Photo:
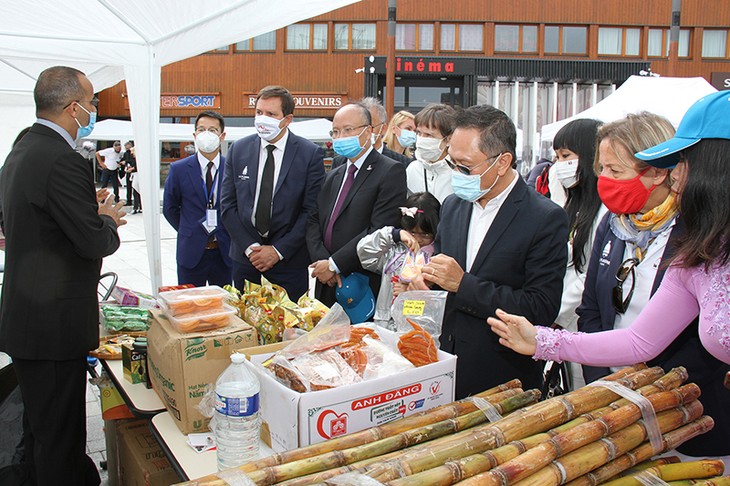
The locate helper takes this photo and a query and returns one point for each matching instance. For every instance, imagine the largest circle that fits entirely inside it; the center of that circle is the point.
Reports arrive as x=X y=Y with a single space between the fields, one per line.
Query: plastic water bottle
x=237 y=419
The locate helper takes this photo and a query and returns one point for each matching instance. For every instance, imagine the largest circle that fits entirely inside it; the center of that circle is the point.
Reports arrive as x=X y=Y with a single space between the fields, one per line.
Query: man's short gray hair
x=374 y=104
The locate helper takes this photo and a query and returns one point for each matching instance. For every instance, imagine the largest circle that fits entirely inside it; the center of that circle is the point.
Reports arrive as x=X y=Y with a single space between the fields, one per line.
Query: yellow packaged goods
x=269 y=309
x=208 y=299
x=183 y=365
x=203 y=320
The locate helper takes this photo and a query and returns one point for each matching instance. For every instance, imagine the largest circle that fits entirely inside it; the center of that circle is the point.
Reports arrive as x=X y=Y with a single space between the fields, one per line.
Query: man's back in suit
x=295 y=178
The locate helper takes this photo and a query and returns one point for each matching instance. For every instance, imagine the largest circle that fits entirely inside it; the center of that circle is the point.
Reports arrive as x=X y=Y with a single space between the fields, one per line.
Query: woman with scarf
x=642 y=231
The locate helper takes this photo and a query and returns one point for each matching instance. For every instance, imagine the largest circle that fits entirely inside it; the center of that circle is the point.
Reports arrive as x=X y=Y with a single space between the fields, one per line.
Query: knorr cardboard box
x=296 y=419
x=181 y=366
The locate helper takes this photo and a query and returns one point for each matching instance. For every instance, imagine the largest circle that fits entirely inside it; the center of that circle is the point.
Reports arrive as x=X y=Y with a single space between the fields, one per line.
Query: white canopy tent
x=316 y=130
x=111 y=40
x=669 y=97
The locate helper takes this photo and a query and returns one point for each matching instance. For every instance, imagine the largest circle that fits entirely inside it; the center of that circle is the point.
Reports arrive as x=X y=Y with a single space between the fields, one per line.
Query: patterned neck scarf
x=642 y=230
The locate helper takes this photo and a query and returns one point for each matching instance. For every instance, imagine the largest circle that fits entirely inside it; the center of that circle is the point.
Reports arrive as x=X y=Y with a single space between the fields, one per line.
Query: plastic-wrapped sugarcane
x=545 y=447
x=673 y=472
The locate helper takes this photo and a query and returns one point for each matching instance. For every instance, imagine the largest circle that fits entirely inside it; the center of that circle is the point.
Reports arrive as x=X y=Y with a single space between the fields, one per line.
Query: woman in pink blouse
x=697 y=281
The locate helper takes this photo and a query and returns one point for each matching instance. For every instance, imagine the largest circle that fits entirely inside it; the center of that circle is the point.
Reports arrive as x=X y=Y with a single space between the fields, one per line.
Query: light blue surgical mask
x=86 y=130
x=348 y=147
x=406 y=138
x=469 y=187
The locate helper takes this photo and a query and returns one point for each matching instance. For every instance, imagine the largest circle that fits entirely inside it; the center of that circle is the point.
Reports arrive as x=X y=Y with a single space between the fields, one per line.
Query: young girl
x=386 y=249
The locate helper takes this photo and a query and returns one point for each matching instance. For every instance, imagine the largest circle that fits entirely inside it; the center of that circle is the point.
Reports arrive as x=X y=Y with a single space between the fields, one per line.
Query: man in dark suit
x=56 y=234
x=379 y=117
x=501 y=245
x=270 y=188
x=357 y=198
x=191 y=205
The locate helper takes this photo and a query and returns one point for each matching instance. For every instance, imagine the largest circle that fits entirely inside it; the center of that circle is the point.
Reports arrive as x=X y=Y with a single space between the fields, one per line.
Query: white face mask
x=207 y=142
x=567 y=172
x=267 y=127
x=428 y=149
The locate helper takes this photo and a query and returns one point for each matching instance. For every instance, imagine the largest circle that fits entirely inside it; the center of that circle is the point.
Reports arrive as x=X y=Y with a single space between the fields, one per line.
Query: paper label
x=413 y=307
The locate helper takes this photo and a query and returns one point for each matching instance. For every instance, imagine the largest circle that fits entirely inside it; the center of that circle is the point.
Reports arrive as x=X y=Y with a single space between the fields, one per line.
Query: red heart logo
x=337 y=425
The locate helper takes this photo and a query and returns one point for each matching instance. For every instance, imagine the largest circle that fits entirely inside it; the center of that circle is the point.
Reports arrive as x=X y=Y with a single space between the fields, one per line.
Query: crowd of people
x=618 y=253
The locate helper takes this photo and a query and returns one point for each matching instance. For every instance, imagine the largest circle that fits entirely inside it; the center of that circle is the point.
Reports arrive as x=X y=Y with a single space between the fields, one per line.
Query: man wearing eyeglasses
x=501 y=245
x=191 y=204
x=56 y=234
x=108 y=161
x=271 y=185
x=356 y=199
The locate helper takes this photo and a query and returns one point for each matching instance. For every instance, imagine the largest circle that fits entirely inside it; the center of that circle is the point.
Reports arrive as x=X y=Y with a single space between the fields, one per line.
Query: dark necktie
x=266 y=193
x=338 y=206
x=209 y=182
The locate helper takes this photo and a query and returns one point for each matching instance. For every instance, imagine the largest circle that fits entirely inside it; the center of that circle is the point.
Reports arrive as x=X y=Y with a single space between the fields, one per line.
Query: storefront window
x=362 y=35
x=469 y=36
x=545 y=104
x=412 y=37
x=714 y=43
x=529 y=38
x=303 y=37
x=658 y=45
x=574 y=40
x=618 y=42
x=565 y=101
x=506 y=38
x=552 y=39
x=485 y=94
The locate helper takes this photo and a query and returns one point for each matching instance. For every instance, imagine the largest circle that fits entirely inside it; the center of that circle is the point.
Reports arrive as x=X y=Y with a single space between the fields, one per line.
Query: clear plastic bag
x=332 y=330
x=424 y=307
x=382 y=360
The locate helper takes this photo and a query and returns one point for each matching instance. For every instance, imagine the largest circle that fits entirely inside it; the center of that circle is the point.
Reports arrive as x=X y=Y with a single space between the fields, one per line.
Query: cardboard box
x=182 y=366
x=141 y=460
x=299 y=419
x=132 y=298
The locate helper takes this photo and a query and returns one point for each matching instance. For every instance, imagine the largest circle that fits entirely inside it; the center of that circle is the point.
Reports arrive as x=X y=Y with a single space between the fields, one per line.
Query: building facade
x=538 y=60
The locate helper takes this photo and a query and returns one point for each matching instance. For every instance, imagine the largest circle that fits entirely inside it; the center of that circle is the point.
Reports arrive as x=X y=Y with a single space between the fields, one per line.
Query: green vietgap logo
x=195 y=349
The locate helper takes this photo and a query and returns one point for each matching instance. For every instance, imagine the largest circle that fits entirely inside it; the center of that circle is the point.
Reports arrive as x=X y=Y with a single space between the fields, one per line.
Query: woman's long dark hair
x=704 y=205
x=579 y=136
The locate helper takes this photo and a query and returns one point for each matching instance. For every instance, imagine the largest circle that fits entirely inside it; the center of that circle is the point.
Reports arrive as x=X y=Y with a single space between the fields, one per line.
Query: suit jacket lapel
x=365 y=170
x=219 y=177
x=251 y=164
x=338 y=176
x=196 y=178
x=289 y=152
x=463 y=216
x=505 y=215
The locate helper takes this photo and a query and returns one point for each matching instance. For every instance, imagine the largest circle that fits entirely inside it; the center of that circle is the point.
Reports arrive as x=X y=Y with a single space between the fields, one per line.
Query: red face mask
x=624 y=196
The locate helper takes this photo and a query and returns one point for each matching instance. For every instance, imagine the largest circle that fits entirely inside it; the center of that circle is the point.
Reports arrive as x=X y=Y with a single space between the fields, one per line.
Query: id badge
x=211 y=218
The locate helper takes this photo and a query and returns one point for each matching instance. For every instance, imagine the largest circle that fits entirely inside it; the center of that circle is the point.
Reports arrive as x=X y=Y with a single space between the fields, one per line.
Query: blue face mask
x=406 y=138
x=85 y=131
x=348 y=147
x=469 y=187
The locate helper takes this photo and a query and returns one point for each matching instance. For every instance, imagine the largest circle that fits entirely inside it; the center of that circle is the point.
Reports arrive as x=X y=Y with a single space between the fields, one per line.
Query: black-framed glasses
x=213 y=130
x=628 y=267
x=345 y=132
x=94 y=102
x=467 y=170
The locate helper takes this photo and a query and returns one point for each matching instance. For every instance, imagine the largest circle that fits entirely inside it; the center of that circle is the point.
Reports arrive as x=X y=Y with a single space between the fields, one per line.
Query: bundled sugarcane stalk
x=506 y=398
x=561 y=440
x=523 y=423
x=674 y=472
x=718 y=481
x=651 y=463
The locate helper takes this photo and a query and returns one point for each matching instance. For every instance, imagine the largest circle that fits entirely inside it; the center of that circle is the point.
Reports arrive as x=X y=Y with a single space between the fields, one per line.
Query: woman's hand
x=515 y=332
x=409 y=240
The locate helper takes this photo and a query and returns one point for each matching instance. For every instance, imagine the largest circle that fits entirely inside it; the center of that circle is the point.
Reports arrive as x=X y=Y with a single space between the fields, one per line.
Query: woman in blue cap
x=697 y=281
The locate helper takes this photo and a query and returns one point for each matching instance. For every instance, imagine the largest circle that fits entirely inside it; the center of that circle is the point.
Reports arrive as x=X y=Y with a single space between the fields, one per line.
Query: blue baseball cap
x=709 y=117
x=356 y=297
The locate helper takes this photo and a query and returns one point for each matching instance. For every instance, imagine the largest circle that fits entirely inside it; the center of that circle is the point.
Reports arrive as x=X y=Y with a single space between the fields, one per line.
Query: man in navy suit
x=192 y=206
x=270 y=187
x=502 y=246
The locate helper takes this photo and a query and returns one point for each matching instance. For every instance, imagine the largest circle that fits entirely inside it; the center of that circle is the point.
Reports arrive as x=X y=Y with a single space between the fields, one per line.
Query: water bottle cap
x=238 y=358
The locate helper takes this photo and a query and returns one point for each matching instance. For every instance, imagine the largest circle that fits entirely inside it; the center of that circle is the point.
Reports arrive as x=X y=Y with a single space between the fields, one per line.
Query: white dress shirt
x=482 y=219
x=214 y=172
x=111 y=157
